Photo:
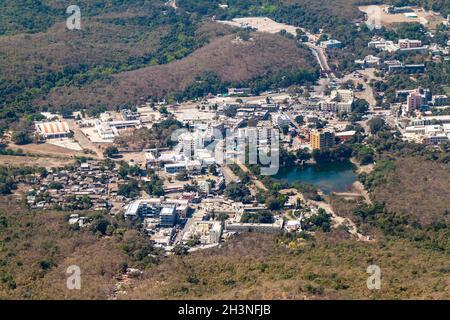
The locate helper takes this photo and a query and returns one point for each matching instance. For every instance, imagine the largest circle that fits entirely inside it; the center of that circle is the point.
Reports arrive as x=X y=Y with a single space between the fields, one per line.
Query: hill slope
x=37 y=247
x=231 y=59
x=256 y=267
x=36 y=57
x=417 y=188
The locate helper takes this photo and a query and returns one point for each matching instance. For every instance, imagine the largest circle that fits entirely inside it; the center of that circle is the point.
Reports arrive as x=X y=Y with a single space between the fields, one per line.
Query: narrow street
x=258 y=184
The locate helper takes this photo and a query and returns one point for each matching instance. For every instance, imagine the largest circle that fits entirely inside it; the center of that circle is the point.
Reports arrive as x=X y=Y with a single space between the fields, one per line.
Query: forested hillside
x=36 y=248
x=40 y=59
x=38 y=55
x=226 y=59
x=115 y=36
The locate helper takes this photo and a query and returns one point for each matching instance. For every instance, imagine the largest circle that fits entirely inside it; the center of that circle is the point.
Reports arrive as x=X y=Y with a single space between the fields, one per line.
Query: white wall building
x=280 y=120
x=52 y=130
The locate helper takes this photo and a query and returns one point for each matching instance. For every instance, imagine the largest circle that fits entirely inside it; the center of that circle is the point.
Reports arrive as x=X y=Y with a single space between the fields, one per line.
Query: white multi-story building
x=191 y=142
x=280 y=120
x=207 y=232
x=331 y=44
x=428 y=134
x=383 y=45
x=204 y=186
x=368 y=62
x=340 y=101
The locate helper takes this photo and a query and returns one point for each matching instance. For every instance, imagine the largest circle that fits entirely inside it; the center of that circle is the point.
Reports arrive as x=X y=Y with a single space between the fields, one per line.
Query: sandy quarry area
x=429 y=19
x=262 y=24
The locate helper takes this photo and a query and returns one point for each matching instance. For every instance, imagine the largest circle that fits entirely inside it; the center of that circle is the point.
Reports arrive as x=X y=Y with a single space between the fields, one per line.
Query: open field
x=376 y=13
x=47 y=149
x=137 y=157
x=19 y=161
x=66 y=144
x=276 y=97
x=191 y=112
x=262 y=24
x=367 y=93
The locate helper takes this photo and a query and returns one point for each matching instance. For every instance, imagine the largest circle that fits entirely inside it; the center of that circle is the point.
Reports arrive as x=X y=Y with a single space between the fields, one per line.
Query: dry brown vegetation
x=418 y=188
x=58 y=48
x=37 y=247
x=344 y=207
x=33 y=161
x=99 y=43
x=256 y=267
x=115 y=36
x=232 y=60
x=346 y=9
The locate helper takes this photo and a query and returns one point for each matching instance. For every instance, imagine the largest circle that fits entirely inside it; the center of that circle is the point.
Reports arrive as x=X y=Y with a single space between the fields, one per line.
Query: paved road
x=321 y=58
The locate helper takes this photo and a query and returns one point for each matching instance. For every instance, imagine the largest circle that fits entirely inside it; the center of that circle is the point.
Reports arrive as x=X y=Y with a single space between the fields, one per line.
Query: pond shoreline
x=327 y=177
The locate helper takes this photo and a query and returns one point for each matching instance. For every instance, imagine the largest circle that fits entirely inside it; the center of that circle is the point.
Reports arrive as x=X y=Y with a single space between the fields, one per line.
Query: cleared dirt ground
x=46 y=149
x=47 y=162
x=429 y=19
x=262 y=24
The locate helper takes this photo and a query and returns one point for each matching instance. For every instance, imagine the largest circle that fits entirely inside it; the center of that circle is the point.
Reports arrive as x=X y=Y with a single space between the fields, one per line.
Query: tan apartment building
x=321 y=139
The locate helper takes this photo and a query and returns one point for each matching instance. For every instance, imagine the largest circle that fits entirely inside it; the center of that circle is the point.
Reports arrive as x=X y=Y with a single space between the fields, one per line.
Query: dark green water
x=330 y=177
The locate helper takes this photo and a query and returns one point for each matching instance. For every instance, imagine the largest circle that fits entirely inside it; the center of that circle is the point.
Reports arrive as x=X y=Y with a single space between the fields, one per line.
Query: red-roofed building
x=52 y=130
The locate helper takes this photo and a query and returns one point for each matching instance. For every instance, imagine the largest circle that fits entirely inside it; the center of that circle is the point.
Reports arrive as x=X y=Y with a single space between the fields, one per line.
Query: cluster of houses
x=422 y=126
x=89 y=186
x=174 y=221
x=402 y=46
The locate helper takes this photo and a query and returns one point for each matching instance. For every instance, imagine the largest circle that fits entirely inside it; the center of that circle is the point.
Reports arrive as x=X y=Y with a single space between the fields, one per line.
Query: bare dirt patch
x=47 y=149
x=262 y=24
x=17 y=161
x=429 y=19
